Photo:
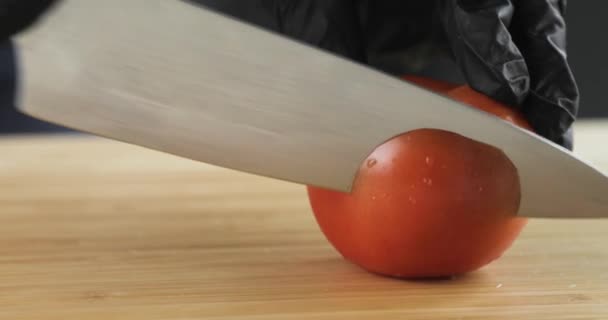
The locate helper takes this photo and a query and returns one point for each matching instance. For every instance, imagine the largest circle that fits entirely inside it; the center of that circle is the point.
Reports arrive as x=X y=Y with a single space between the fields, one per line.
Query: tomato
x=432 y=84
x=473 y=98
x=427 y=203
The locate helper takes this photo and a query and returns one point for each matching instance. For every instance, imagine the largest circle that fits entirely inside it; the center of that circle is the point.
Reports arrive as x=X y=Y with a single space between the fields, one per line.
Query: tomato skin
x=427 y=203
x=431 y=84
x=467 y=95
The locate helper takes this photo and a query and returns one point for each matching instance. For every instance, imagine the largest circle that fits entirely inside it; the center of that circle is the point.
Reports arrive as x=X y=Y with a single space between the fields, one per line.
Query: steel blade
x=179 y=79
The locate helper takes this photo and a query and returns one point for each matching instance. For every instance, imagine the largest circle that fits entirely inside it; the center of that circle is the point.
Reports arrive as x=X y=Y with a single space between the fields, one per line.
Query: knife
x=237 y=96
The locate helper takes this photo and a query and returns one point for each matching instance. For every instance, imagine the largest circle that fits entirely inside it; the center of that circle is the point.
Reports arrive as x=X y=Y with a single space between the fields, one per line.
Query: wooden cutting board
x=96 y=229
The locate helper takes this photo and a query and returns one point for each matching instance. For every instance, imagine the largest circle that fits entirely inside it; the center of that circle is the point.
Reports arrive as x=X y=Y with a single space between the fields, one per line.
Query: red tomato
x=428 y=203
x=473 y=98
x=432 y=84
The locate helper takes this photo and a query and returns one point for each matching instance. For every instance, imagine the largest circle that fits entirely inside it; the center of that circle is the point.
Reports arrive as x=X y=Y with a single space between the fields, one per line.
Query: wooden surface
x=96 y=229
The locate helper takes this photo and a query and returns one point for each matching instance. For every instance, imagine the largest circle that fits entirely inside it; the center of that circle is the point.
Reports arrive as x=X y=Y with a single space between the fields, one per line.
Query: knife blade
x=248 y=99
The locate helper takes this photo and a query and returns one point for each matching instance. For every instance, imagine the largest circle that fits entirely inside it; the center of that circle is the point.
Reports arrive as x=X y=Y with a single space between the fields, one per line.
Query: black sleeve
x=331 y=25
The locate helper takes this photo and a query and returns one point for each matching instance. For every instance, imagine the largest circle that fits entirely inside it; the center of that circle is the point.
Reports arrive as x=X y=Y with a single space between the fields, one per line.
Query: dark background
x=588 y=54
x=587 y=47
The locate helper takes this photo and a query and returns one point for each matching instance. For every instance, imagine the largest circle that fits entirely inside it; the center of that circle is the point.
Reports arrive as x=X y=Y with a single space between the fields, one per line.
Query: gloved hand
x=511 y=50
x=16 y=15
x=515 y=51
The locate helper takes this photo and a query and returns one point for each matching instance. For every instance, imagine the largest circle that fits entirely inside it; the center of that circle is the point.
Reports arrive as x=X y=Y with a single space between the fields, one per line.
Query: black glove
x=511 y=50
x=515 y=51
x=16 y=15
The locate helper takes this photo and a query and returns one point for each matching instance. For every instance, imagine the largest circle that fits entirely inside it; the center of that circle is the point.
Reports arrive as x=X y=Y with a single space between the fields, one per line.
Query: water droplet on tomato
x=412 y=199
x=371 y=163
x=427 y=181
x=480 y=189
x=373 y=197
x=429 y=161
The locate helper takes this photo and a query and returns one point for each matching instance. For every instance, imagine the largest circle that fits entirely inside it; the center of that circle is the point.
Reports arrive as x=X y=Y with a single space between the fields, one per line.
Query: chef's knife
x=188 y=81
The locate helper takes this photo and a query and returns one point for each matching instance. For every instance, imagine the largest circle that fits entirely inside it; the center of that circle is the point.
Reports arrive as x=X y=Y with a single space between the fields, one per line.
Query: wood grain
x=97 y=229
